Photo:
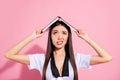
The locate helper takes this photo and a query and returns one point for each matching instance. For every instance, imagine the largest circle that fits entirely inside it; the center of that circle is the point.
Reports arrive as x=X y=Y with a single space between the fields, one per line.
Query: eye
x=64 y=32
x=55 y=32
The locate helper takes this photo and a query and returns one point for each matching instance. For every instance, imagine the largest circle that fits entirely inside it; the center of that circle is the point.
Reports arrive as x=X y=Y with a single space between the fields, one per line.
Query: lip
x=59 y=42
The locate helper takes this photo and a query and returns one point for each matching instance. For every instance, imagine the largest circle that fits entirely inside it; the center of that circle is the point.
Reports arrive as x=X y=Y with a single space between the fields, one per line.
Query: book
x=58 y=18
x=73 y=28
x=46 y=27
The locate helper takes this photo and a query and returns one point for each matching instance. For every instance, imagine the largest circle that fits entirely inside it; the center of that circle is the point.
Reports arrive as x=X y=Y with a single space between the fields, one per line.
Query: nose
x=60 y=36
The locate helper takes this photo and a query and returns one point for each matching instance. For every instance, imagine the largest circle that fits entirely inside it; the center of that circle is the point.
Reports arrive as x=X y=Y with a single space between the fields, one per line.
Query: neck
x=59 y=51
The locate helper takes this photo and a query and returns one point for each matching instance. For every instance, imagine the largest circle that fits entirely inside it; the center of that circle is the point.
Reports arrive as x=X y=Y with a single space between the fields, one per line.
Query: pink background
x=100 y=18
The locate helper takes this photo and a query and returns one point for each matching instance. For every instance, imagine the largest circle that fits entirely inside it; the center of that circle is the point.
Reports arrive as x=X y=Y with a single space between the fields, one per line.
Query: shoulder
x=37 y=56
x=82 y=60
x=36 y=61
x=80 y=55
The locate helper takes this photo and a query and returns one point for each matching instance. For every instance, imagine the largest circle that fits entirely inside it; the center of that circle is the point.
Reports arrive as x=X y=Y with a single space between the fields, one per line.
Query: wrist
x=31 y=37
x=87 y=39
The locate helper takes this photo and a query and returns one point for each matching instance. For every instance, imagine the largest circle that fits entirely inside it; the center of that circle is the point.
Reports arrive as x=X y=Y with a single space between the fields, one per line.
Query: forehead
x=59 y=28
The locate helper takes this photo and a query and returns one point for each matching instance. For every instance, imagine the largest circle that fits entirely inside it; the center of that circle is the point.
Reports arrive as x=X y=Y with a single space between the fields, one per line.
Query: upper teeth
x=59 y=42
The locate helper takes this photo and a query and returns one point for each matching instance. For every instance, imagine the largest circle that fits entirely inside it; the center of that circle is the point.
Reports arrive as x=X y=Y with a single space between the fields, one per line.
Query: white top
x=37 y=62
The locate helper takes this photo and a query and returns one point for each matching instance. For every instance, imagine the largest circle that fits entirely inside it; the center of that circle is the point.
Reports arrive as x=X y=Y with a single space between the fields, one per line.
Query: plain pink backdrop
x=100 y=18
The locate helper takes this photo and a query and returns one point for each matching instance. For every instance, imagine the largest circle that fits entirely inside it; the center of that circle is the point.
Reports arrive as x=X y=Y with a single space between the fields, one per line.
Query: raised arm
x=14 y=52
x=102 y=54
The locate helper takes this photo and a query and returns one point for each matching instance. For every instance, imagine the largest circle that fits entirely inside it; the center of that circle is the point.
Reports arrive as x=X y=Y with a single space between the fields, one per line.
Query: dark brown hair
x=68 y=49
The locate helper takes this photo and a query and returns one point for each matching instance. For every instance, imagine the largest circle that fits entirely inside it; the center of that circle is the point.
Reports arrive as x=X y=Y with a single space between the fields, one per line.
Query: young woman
x=59 y=62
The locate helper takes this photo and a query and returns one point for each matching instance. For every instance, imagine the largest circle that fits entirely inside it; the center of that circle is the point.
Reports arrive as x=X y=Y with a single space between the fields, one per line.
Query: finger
x=79 y=31
x=38 y=35
x=38 y=31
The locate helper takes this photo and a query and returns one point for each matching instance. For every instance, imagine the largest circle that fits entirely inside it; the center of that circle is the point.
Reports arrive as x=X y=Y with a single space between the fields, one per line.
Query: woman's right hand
x=37 y=33
x=14 y=52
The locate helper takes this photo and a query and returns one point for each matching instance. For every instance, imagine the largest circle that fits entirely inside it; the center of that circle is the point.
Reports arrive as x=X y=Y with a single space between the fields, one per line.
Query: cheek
x=65 y=39
x=53 y=39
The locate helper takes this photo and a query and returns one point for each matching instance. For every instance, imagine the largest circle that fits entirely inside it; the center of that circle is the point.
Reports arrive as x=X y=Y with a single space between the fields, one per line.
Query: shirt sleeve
x=82 y=60
x=36 y=61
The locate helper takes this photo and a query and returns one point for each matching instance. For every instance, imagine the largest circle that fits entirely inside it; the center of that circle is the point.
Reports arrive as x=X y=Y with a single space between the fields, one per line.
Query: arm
x=102 y=55
x=14 y=52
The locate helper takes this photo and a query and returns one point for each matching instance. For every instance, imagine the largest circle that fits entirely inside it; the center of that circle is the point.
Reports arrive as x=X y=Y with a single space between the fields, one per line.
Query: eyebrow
x=58 y=30
x=54 y=30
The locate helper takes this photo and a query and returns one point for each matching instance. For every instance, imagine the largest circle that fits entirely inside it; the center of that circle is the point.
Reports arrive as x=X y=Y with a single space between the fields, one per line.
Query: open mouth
x=59 y=42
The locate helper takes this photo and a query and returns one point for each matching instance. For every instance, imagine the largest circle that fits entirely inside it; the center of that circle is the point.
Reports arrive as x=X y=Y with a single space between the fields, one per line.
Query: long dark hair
x=68 y=49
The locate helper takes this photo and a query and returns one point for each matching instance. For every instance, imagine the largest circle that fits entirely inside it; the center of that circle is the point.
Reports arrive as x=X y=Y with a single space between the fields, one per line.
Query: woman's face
x=59 y=36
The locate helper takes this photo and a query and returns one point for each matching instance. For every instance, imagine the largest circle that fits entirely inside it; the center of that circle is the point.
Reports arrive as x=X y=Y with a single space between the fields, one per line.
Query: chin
x=59 y=47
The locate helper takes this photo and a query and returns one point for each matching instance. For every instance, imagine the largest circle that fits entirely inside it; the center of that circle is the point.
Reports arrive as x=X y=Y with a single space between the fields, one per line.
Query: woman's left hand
x=82 y=34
